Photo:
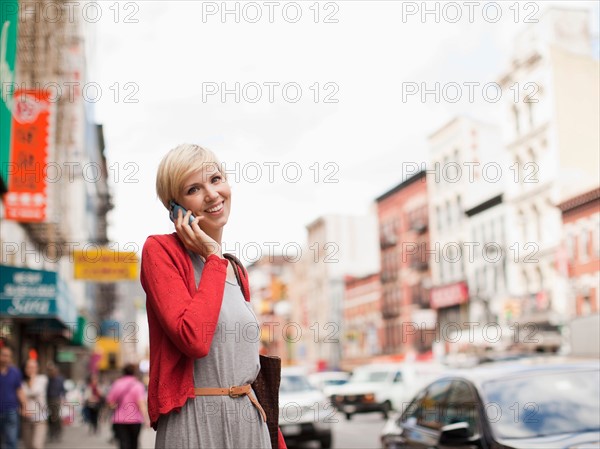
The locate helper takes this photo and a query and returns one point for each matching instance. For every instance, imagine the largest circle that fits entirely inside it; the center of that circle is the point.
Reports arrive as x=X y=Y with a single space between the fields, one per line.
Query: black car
x=545 y=404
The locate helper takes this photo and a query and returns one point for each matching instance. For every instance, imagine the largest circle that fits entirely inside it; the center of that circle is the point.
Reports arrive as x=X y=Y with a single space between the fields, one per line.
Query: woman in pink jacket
x=203 y=358
x=127 y=396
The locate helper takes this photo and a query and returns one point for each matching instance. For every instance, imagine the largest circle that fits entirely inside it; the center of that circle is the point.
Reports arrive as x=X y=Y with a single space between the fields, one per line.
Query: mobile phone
x=174 y=212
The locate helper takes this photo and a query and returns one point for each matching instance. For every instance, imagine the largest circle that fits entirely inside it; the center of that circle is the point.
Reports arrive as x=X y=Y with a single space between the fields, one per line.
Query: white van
x=328 y=381
x=383 y=387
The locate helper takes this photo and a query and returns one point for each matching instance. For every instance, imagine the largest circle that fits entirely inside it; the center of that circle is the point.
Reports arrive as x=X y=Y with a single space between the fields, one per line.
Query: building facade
x=337 y=246
x=53 y=313
x=459 y=177
x=270 y=277
x=581 y=252
x=362 y=320
x=408 y=320
x=552 y=142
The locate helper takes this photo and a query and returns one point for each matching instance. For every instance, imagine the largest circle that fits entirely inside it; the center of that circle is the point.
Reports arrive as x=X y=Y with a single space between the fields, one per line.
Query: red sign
x=449 y=295
x=26 y=198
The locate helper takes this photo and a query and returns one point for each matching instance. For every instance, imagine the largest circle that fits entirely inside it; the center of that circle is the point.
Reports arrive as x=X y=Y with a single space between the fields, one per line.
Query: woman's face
x=31 y=368
x=206 y=193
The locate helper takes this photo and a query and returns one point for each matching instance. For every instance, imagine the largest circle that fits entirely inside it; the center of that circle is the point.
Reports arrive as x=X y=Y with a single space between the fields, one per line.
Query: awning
x=37 y=294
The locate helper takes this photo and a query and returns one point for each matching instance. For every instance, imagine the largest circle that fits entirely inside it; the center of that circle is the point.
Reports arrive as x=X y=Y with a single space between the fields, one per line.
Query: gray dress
x=221 y=421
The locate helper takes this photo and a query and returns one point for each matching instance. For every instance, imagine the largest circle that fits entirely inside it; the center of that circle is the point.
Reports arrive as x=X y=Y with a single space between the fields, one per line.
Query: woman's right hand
x=194 y=238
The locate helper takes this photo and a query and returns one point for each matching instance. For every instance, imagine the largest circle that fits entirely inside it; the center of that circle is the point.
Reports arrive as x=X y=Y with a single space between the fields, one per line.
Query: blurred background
x=413 y=182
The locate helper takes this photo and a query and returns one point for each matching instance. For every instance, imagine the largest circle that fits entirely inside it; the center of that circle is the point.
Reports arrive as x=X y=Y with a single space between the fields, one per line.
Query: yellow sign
x=109 y=350
x=101 y=264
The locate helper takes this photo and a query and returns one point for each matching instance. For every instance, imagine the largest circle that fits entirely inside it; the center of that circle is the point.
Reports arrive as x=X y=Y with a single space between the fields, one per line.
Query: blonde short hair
x=177 y=165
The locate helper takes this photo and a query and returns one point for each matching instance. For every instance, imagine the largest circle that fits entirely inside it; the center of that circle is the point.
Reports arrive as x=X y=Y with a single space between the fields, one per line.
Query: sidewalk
x=76 y=436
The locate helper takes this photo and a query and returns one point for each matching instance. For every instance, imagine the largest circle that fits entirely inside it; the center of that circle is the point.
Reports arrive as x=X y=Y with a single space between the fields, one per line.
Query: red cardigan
x=181 y=318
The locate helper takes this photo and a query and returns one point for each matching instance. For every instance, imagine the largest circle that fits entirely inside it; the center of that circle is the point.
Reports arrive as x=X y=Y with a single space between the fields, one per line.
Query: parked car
x=327 y=381
x=305 y=414
x=382 y=387
x=532 y=403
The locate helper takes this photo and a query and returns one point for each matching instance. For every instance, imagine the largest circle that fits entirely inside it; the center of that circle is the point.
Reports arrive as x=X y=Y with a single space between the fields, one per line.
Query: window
x=294 y=383
x=495 y=275
x=572 y=407
x=522 y=225
x=515 y=111
x=504 y=271
x=525 y=281
x=570 y=241
x=462 y=406
x=530 y=113
x=411 y=413
x=442 y=272
x=431 y=407
x=540 y=277
x=537 y=236
x=398 y=377
x=586 y=305
x=531 y=155
x=436 y=177
x=583 y=245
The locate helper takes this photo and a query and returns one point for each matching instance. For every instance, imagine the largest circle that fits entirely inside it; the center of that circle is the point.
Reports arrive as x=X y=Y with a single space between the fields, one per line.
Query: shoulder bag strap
x=239 y=271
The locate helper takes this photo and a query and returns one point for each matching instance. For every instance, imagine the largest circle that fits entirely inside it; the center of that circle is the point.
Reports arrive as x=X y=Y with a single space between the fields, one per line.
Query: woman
x=194 y=307
x=93 y=400
x=34 y=424
x=127 y=397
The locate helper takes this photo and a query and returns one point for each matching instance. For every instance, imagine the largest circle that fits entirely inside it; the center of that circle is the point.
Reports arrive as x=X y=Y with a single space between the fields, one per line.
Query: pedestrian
x=93 y=400
x=12 y=399
x=34 y=421
x=55 y=395
x=199 y=392
x=128 y=399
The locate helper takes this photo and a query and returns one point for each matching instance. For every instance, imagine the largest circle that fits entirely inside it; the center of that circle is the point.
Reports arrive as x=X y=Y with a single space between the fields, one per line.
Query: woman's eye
x=216 y=178
x=192 y=190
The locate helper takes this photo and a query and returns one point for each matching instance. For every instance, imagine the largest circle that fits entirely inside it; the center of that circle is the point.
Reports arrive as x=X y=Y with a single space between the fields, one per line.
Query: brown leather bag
x=266 y=385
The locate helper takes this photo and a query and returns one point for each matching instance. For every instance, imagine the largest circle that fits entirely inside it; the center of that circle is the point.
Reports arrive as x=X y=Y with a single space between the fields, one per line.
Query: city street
x=77 y=436
x=361 y=432
x=324 y=205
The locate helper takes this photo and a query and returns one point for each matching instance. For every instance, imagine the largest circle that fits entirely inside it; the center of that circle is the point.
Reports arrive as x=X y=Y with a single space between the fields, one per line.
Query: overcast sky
x=365 y=131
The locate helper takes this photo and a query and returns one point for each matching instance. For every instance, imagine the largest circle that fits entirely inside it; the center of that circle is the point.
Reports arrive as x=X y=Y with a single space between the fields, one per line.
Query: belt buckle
x=232 y=394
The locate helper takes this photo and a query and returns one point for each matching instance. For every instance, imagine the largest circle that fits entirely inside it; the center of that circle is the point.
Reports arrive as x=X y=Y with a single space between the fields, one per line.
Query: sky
x=332 y=141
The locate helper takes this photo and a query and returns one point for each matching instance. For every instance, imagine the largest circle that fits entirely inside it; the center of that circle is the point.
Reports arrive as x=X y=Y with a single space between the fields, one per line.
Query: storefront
x=451 y=303
x=36 y=312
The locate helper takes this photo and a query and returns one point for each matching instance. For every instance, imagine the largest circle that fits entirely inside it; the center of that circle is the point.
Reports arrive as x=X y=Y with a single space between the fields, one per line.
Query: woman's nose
x=211 y=194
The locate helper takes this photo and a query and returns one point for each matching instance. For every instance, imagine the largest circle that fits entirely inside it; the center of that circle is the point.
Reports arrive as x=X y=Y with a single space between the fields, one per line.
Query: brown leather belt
x=234 y=392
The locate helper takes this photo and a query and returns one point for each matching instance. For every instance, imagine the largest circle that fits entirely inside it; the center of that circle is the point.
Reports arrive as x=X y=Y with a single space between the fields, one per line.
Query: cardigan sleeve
x=189 y=321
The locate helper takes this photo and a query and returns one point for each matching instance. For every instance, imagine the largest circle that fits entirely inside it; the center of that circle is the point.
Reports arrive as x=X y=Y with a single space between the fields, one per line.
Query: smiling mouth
x=216 y=208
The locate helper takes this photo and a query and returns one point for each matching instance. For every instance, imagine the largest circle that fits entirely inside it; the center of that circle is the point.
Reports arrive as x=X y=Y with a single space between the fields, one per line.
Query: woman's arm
x=141 y=402
x=22 y=401
x=188 y=321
